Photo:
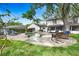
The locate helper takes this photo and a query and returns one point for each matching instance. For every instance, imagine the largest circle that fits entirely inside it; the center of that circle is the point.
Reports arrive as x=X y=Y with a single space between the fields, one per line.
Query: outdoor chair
x=59 y=36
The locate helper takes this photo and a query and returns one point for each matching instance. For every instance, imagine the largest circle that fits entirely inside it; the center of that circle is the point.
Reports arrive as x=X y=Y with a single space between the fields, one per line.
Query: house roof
x=75 y=24
x=51 y=18
x=16 y=27
x=40 y=25
x=55 y=25
x=63 y=25
x=33 y=25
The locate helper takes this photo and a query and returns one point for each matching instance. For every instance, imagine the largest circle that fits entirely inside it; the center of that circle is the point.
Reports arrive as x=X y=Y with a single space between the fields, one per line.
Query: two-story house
x=51 y=25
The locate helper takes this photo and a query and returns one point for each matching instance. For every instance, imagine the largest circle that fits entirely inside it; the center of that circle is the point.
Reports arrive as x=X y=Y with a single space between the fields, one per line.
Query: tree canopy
x=12 y=23
x=61 y=11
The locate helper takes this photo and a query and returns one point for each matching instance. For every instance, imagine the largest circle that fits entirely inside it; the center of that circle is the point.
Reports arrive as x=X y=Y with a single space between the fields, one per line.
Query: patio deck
x=45 y=40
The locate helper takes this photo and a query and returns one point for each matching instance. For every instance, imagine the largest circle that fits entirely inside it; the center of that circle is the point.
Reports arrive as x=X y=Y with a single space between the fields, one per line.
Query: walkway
x=21 y=37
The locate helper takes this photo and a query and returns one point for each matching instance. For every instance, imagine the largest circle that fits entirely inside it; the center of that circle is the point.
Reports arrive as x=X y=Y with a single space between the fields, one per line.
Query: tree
x=65 y=11
x=12 y=23
x=57 y=11
x=4 y=25
x=31 y=14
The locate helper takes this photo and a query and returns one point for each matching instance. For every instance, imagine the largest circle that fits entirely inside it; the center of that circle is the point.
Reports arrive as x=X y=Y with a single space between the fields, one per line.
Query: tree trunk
x=65 y=14
x=66 y=25
x=46 y=26
x=5 y=33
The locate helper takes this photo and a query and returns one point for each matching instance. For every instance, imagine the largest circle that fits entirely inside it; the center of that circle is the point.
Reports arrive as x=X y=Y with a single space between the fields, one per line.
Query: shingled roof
x=17 y=27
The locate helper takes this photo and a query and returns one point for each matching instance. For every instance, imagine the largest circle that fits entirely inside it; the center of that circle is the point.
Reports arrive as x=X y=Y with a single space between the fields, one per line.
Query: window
x=52 y=28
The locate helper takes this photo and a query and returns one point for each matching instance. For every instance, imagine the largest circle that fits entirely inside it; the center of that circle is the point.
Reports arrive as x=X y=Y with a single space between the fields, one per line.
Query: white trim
x=74 y=32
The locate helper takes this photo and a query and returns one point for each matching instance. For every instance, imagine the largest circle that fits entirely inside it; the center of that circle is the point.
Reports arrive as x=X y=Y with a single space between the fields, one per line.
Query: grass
x=21 y=48
x=76 y=36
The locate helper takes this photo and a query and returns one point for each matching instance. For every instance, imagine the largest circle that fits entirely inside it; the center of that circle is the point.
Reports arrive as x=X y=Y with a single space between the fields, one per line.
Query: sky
x=18 y=9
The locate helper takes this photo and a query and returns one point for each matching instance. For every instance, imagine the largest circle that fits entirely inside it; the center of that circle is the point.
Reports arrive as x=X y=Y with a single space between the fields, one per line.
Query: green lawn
x=76 y=36
x=20 y=48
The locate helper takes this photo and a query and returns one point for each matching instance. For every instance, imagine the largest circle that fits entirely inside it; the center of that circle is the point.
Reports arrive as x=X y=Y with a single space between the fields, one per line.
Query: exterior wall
x=49 y=23
x=44 y=29
x=74 y=30
x=75 y=20
x=34 y=26
x=59 y=22
x=42 y=22
x=78 y=20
